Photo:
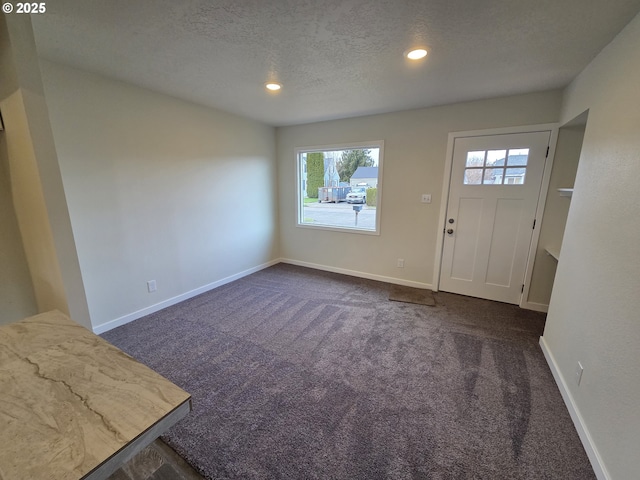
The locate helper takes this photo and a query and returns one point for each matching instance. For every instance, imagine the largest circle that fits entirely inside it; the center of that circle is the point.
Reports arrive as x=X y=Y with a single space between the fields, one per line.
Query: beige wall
x=16 y=292
x=17 y=297
x=36 y=187
x=158 y=189
x=30 y=208
x=414 y=159
x=556 y=209
x=594 y=315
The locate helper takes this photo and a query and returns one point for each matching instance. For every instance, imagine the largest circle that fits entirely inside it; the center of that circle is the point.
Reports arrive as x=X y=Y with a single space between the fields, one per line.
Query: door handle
x=450 y=231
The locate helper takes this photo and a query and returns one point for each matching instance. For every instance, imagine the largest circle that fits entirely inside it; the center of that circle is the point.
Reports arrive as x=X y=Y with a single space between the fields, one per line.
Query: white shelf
x=565 y=192
x=553 y=253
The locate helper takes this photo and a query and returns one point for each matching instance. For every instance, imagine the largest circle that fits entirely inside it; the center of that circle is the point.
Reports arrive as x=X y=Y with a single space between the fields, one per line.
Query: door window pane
x=496 y=158
x=475 y=159
x=515 y=176
x=493 y=176
x=518 y=157
x=473 y=176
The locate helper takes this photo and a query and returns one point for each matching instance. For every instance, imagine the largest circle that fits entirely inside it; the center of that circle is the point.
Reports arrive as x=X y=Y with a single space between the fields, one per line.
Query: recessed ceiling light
x=416 y=53
x=273 y=86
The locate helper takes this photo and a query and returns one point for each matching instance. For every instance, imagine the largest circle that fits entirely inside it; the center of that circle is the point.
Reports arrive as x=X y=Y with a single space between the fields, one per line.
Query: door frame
x=542 y=198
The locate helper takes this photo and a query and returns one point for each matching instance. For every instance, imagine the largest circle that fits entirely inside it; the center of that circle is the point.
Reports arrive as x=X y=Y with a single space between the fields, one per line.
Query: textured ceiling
x=335 y=58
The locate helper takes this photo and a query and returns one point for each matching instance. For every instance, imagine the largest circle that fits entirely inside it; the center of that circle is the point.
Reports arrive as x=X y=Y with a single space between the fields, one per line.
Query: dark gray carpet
x=400 y=293
x=302 y=374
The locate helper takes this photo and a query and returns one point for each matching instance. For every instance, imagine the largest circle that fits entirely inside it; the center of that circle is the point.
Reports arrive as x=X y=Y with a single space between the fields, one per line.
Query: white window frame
x=379 y=144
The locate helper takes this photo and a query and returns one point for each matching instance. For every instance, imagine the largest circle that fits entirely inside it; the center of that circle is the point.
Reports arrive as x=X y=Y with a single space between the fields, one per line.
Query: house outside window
x=365 y=175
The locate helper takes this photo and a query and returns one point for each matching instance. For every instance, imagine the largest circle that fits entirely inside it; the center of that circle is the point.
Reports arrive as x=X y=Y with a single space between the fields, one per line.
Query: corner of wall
x=47 y=236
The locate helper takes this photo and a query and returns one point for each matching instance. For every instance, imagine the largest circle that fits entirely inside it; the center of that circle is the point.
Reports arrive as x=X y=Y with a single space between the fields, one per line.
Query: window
x=339 y=187
x=496 y=167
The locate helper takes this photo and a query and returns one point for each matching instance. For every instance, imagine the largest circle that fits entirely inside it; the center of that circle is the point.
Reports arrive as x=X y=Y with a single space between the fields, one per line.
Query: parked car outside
x=357 y=195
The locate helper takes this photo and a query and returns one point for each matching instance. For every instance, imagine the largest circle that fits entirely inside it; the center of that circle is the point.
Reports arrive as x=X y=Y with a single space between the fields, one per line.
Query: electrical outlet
x=426 y=198
x=401 y=263
x=151 y=286
x=579 y=370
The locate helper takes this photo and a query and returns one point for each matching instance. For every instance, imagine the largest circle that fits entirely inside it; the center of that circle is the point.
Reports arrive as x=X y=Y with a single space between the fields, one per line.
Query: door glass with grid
x=496 y=167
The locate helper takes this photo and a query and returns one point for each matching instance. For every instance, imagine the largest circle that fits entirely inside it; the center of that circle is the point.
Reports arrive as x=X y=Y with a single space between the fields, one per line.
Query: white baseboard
x=354 y=273
x=536 y=307
x=587 y=442
x=105 y=327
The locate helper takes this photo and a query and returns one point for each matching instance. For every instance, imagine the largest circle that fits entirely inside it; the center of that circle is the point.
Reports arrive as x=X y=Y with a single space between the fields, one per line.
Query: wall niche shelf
x=565 y=192
x=552 y=252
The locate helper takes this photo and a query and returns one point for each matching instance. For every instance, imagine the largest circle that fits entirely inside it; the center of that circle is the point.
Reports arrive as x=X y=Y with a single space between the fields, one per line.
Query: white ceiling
x=335 y=58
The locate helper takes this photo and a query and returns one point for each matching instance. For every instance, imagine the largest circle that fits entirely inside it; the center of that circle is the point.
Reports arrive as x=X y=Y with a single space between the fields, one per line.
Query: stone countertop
x=70 y=402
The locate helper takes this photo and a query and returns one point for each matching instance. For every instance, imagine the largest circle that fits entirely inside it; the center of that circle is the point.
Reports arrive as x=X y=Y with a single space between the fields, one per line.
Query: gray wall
x=594 y=312
x=158 y=189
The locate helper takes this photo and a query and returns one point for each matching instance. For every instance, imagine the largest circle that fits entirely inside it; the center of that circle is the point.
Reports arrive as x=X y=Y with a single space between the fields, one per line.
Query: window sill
x=338 y=229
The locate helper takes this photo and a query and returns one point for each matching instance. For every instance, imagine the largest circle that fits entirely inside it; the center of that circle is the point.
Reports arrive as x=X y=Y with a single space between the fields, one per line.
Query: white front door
x=493 y=196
